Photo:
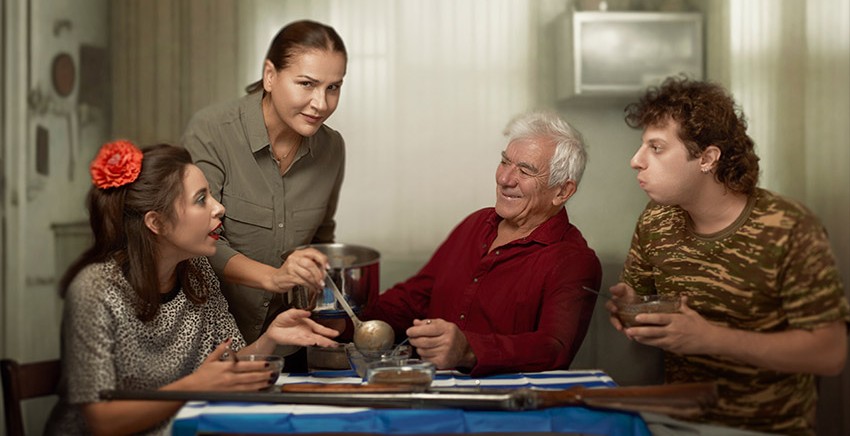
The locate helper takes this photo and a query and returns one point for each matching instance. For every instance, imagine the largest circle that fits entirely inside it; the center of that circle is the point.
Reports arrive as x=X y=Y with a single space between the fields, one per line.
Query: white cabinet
x=621 y=53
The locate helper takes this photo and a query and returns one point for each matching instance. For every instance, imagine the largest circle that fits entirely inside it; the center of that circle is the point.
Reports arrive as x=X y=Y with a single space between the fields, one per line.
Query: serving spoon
x=370 y=335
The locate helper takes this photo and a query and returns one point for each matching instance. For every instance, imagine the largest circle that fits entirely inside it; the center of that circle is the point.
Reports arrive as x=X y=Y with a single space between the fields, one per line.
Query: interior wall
x=3 y=141
x=787 y=64
x=48 y=140
x=827 y=163
x=169 y=59
x=47 y=187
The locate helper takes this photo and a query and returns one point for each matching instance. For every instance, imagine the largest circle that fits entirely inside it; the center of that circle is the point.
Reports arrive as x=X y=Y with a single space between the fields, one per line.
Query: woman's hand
x=229 y=375
x=304 y=267
x=294 y=327
x=620 y=290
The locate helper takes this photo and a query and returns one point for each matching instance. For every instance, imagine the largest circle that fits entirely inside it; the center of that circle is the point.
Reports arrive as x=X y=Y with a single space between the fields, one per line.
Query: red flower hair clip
x=117 y=164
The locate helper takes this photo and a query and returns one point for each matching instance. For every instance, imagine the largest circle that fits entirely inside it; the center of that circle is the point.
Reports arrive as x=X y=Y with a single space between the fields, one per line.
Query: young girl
x=143 y=308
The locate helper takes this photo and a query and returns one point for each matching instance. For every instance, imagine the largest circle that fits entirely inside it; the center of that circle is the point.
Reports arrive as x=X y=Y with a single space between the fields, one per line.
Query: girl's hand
x=294 y=327
x=229 y=375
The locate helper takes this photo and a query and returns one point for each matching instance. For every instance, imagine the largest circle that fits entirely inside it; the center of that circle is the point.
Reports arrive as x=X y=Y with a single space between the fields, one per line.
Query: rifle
x=679 y=400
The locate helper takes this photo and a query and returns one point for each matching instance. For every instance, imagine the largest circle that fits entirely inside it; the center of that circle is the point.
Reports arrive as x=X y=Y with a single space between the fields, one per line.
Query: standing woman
x=143 y=308
x=278 y=169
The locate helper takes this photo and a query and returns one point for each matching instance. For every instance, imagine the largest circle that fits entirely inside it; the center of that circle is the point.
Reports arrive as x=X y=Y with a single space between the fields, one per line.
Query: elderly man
x=504 y=292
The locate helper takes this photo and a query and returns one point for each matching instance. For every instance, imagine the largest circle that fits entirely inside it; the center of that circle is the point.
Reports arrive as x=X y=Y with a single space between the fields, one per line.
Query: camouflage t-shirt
x=771 y=270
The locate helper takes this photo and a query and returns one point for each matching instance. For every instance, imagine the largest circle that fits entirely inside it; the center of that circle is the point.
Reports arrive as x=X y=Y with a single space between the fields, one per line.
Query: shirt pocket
x=248 y=226
x=305 y=222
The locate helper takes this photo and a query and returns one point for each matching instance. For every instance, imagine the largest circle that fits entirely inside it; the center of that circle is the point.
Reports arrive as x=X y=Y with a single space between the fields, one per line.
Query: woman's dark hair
x=117 y=218
x=707 y=115
x=296 y=38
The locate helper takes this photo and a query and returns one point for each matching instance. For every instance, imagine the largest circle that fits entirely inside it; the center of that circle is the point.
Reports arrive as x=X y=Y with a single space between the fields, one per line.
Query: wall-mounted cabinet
x=621 y=53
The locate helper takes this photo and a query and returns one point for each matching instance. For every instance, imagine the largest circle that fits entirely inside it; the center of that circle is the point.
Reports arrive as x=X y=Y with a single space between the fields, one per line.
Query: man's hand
x=441 y=343
x=820 y=351
x=685 y=332
x=620 y=290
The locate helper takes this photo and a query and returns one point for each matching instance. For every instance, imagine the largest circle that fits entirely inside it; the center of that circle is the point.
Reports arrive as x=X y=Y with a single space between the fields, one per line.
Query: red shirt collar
x=551 y=231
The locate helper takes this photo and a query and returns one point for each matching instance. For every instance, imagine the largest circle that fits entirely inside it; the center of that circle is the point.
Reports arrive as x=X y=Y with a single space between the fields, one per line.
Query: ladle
x=371 y=335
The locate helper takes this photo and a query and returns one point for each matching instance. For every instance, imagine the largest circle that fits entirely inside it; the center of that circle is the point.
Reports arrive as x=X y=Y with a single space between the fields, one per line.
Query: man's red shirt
x=521 y=306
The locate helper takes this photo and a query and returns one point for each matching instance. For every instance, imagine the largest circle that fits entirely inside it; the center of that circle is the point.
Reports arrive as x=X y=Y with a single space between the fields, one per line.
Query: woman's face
x=197 y=221
x=306 y=92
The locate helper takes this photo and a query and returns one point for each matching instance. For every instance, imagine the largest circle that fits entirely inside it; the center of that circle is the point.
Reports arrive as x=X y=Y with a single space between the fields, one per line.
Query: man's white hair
x=570 y=157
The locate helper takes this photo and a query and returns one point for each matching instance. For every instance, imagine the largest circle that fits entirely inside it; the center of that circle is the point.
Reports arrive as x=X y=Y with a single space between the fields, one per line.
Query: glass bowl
x=629 y=307
x=275 y=364
x=361 y=359
x=418 y=374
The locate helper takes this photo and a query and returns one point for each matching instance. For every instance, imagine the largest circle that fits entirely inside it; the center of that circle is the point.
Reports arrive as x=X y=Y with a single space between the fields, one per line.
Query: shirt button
x=265 y=304
x=497 y=252
x=462 y=316
x=280 y=225
x=475 y=280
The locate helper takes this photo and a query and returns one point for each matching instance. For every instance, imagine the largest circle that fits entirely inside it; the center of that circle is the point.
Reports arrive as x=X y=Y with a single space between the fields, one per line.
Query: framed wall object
x=621 y=53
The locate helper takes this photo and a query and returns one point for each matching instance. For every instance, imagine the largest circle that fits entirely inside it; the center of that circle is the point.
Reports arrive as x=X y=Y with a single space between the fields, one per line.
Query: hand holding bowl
x=629 y=306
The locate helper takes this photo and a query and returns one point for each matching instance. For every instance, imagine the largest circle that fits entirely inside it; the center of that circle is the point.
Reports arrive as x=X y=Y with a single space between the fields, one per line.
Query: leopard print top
x=105 y=346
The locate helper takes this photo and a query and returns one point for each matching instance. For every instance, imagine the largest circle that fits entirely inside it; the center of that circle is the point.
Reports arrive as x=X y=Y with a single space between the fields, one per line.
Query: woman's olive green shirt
x=266 y=214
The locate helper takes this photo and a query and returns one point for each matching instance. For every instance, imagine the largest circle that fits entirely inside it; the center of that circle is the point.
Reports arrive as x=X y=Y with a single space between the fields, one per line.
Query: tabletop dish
x=275 y=364
x=414 y=372
x=324 y=358
x=361 y=359
x=629 y=307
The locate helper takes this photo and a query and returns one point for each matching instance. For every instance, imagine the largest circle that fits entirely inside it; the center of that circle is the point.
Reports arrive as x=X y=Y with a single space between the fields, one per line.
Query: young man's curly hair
x=707 y=115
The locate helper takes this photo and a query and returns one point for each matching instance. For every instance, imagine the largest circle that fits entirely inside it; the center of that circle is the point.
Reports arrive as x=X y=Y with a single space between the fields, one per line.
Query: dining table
x=273 y=417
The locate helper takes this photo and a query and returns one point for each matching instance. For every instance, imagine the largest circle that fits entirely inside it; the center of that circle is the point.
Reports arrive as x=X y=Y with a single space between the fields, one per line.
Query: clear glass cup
x=275 y=364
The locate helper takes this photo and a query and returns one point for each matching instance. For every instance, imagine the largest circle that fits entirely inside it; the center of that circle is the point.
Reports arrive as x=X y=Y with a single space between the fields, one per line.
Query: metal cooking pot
x=356 y=271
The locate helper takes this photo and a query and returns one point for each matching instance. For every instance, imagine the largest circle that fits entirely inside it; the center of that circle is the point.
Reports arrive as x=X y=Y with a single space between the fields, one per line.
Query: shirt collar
x=252 y=114
x=551 y=231
x=258 y=136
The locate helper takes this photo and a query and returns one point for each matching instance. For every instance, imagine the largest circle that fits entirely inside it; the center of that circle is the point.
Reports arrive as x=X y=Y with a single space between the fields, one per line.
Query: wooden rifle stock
x=681 y=400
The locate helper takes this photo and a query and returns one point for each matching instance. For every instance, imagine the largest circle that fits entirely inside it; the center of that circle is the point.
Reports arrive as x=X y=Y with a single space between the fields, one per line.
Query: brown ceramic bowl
x=629 y=307
x=327 y=358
